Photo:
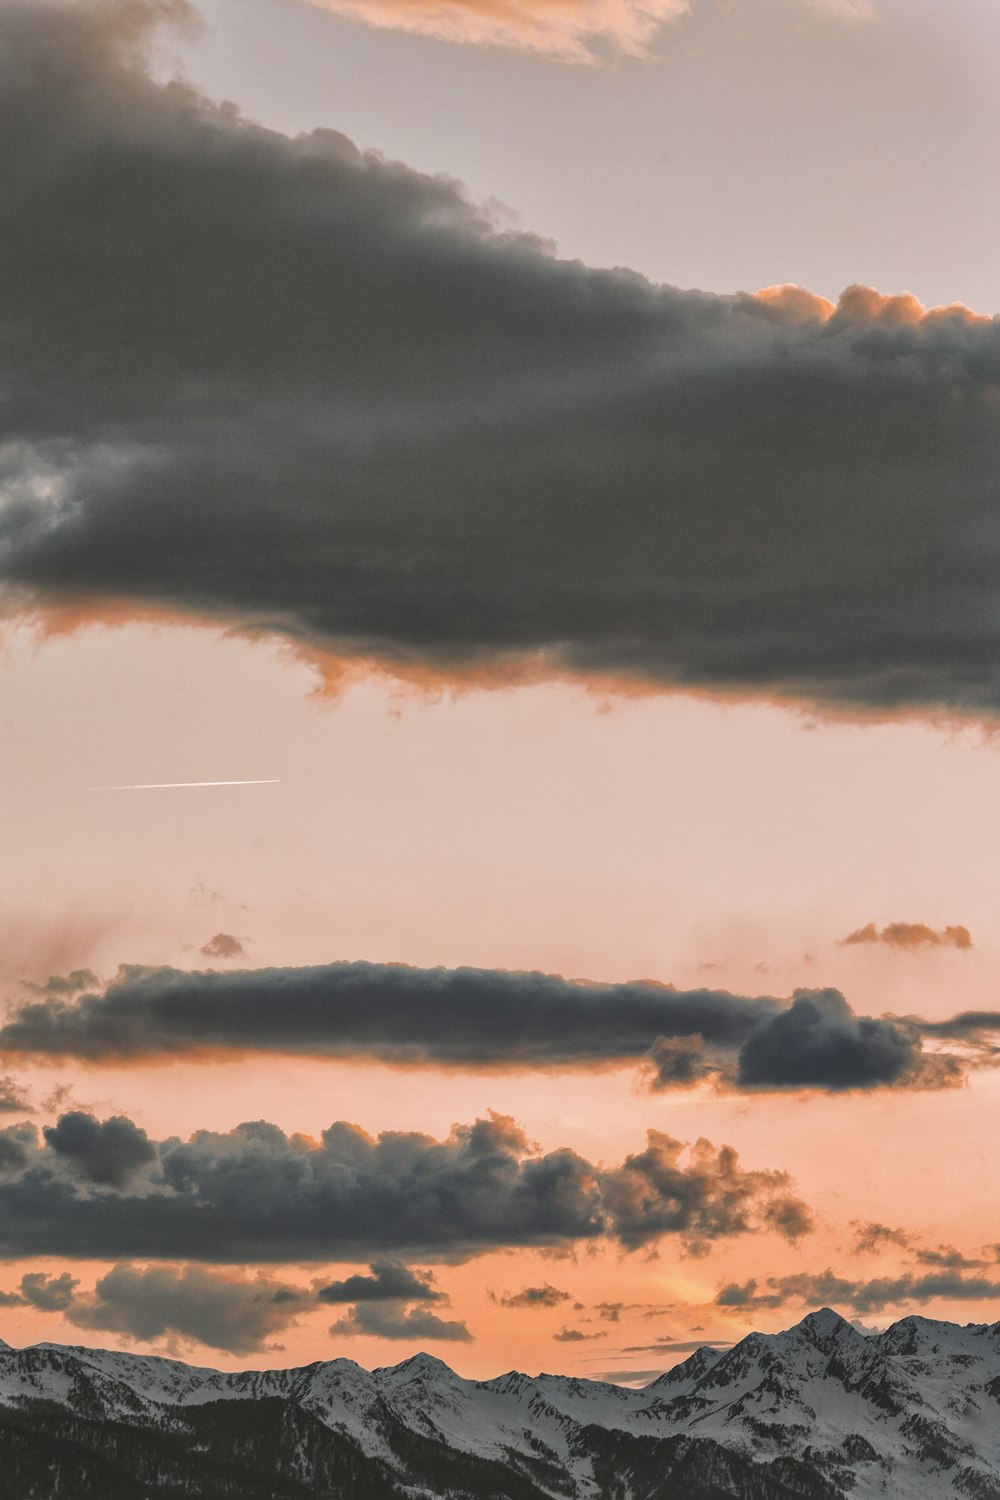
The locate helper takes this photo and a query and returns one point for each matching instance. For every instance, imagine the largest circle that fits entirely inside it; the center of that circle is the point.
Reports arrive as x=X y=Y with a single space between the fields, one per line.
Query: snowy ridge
x=817 y=1410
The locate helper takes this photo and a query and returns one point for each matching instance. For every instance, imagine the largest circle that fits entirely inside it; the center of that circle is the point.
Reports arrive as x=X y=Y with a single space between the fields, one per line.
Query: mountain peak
x=823 y=1325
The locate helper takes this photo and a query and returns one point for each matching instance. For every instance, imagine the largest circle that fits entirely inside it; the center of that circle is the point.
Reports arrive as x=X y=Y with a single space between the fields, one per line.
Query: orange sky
x=561 y=826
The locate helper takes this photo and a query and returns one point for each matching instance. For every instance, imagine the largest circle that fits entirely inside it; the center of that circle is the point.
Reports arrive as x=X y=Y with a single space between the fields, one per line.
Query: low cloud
x=532 y=1296
x=448 y=454
x=390 y=1281
x=223 y=945
x=390 y=1321
x=576 y=1336
x=222 y=1309
x=80 y=1189
x=910 y=935
x=44 y=1292
x=678 y=1346
x=867 y=1296
x=491 y=1019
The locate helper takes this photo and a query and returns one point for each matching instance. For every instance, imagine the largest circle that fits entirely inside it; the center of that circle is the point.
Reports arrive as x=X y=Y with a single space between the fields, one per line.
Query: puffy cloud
x=44 y=1292
x=292 y=389
x=390 y=1281
x=818 y=1042
x=109 y=1153
x=223 y=945
x=256 y=1194
x=483 y=1018
x=49 y=1293
x=911 y=935
x=533 y=1296
x=576 y=1336
x=390 y=1321
x=223 y=1309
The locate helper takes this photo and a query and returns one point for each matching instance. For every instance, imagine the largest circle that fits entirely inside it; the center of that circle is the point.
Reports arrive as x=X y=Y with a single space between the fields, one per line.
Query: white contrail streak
x=162 y=786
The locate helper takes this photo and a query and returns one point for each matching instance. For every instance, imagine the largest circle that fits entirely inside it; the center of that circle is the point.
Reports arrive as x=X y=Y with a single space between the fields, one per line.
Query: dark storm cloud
x=256 y=1194
x=390 y=1281
x=223 y=1309
x=829 y=1289
x=301 y=391
x=389 y=1321
x=482 y=1018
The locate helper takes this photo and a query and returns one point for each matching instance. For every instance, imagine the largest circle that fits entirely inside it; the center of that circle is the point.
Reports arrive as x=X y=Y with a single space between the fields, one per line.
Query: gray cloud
x=576 y=1336
x=390 y=1321
x=533 y=1296
x=483 y=1018
x=256 y=1194
x=223 y=1309
x=677 y=1346
x=13 y=1099
x=910 y=935
x=819 y=1042
x=223 y=945
x=292 y=389
x=48 y=1293
x=865 y=1296
x=872 y=1239
x=390 y=1281
x=109 y=1153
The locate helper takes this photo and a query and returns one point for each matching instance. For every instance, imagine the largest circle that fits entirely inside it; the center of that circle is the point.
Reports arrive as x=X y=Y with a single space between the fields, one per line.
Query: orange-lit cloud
x=910 y=935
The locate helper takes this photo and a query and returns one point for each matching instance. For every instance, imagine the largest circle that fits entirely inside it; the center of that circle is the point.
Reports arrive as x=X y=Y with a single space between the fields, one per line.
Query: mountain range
x=820 y=1411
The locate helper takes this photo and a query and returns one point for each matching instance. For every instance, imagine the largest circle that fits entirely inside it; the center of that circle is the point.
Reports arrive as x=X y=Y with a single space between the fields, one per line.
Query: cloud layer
x=256 y=1194
x=480 y=1018
x=304 y=392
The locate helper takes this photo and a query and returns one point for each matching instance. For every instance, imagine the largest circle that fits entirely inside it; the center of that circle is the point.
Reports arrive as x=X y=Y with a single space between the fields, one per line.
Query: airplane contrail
x=162 y=786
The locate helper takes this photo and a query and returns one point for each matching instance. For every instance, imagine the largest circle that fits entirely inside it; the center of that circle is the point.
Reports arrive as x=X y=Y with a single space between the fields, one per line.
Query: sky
x=545 y=455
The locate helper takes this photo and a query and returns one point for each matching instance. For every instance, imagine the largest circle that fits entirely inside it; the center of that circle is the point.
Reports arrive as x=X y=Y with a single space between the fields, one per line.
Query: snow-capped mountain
x=817 y=1412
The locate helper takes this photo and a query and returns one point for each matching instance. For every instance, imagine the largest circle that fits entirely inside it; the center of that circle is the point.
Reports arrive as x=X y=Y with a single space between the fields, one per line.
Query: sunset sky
x=547 y=451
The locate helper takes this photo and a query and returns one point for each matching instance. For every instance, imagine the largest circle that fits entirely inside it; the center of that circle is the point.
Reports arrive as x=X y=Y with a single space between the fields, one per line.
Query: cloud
x=580 y=32
x=390 y=1281
x=866 y=1296
x=282 y=387
x=678 y=1346
x=483 y=1018
x=13 y=1099
x=576 y=1336
x=49 y=1293
x=532 y=1296
x=911 y=935
x=223 y=1309
x=256 y=1194
x=44 y=1292
x=109 y=1153
x=223 y=945
x=872 y=1239
x=573 y=31
x=390 y=1321
x=819 y=1042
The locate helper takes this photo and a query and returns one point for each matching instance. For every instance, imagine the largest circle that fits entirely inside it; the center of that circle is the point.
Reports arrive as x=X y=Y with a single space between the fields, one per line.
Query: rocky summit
x=818 y=1412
